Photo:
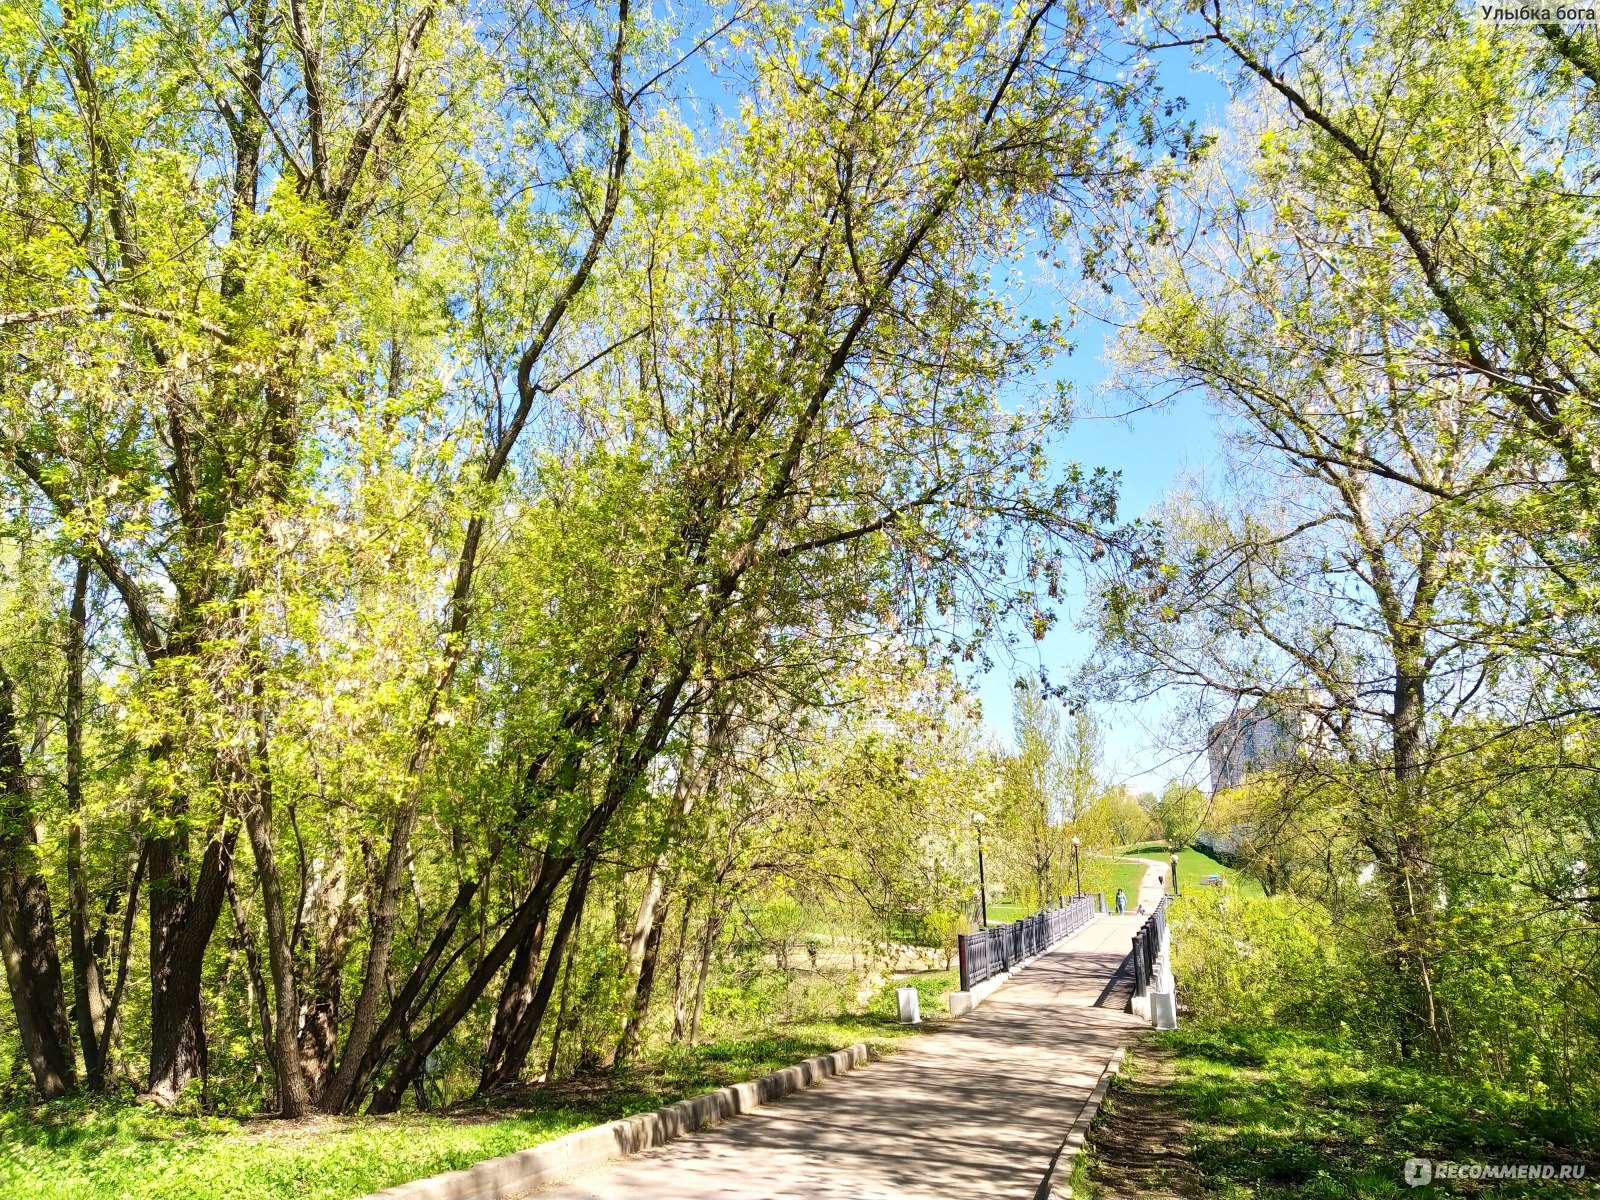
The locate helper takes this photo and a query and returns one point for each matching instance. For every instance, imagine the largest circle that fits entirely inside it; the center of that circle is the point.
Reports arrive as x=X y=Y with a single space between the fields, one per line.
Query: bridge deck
x=974 y=1110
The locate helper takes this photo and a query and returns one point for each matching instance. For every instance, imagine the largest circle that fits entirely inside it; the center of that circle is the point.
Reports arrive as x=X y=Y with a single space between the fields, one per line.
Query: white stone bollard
x=910 y=1005
x=1164 y=1010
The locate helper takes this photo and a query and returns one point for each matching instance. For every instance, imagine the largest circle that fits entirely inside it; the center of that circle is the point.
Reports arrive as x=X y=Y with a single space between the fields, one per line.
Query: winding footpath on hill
x=976 y=1109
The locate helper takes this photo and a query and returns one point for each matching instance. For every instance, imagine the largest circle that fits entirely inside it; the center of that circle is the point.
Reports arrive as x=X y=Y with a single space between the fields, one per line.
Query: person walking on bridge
x=1122 y=902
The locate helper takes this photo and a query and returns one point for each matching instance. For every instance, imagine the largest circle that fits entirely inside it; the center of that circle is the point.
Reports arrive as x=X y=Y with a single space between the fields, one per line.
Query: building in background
x=1249 y=741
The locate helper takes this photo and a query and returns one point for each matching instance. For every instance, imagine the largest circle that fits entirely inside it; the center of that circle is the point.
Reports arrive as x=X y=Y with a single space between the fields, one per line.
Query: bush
x=1277 y=960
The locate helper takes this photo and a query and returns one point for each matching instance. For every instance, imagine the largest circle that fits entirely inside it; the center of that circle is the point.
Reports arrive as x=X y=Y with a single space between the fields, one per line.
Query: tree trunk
x=387 y=1098
x=27 y=928
x=89 y=1000
x=561 y=1023
x=697 y=775
x=526 y=1031
x=680 y=1018
x=412 y=995
x=334 y=912
x=294 y=1098
x=181 y=924
x=633 y=1024
x=516 y=996
x=33 y=971
x=364 y=1022
x=646 y=926
x=130 y=912
x=1411 y=870
x=713 y=931
x=255 y=985
x=620 y=782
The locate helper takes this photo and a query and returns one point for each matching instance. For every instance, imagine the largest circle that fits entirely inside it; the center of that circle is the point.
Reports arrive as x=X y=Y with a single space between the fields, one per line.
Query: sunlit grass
x=1275 y=1114
x=1193 y=865
x=123 y=1151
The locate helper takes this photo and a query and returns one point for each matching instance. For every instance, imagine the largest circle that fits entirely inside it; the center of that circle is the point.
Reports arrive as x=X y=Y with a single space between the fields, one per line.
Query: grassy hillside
x=1194 y=863
x=1109 y=874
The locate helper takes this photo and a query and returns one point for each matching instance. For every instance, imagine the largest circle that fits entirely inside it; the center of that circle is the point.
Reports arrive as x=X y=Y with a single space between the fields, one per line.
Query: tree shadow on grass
x=1280 y=1113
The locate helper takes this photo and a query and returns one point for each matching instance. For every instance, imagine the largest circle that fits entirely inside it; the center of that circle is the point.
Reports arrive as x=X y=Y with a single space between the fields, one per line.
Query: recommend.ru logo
x=1421 y=1171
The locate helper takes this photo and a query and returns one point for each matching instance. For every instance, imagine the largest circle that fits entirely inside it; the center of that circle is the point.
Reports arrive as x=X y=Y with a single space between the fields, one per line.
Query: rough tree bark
x=332 y=911
x=27 y=928
x=89 y=997
x=644 y=988
x=526 y=1030
x=181 y=923
x=516 y=996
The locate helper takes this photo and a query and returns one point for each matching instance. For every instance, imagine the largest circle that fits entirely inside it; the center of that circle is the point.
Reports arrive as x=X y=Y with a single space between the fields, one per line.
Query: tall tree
x=27 y=923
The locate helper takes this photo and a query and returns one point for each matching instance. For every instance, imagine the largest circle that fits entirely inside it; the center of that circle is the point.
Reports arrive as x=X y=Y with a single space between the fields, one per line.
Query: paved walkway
x=976 y=1110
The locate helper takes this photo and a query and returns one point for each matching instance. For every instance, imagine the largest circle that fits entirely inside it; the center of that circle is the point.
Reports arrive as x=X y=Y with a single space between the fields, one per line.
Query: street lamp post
x=983 y=887
x=1077 y=868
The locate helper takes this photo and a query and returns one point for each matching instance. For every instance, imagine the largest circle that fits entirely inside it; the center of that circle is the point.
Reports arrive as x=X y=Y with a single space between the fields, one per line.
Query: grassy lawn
x=112 y=1151
x=1192 y=864
x=1273 y=1114
x=1108 y=874
x=1099 y=875
x=931 y=988
x=1003 y=911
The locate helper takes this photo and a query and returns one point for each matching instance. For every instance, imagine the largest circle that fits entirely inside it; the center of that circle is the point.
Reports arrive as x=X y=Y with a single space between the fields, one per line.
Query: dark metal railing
x=1147 y=943
x=1001 y=947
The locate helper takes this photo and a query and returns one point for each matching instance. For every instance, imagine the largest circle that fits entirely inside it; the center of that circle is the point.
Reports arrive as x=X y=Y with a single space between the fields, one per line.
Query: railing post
x=1140 y=979
x=966 y=969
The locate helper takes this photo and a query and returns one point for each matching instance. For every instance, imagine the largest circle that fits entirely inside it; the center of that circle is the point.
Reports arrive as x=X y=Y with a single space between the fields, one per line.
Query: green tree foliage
x=1178 y=812
x=1116 y=818
x=1047 y=792
x=469 y=504
x=1391 y=305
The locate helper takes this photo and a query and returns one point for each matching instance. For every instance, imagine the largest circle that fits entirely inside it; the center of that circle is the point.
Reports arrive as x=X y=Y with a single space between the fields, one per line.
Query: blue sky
x=1153 y=450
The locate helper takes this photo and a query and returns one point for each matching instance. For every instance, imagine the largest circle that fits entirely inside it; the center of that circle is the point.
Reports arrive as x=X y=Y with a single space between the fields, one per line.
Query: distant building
x=1256 y=739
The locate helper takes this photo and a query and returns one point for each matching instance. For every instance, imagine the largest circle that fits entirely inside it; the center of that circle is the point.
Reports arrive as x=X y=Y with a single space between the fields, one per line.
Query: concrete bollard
x=910 y=1005
x=1164 y=1010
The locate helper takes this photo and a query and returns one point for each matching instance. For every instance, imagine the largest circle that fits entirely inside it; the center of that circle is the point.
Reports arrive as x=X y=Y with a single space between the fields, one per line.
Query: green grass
x=106 y=1151
x=1099 y=874
x=1109 y=874
x=931 y=989
x=1194 y=863
x=111 y=1151
x=1003 y=911
x=1275 y=1114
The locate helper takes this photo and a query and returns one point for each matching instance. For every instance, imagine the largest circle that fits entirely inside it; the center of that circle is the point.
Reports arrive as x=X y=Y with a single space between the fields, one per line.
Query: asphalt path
x=976 y=1109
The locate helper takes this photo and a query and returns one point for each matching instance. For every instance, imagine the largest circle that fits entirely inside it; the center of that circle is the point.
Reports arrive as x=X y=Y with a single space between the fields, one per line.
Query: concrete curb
x=1061 y=1164
x=517 y=1174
